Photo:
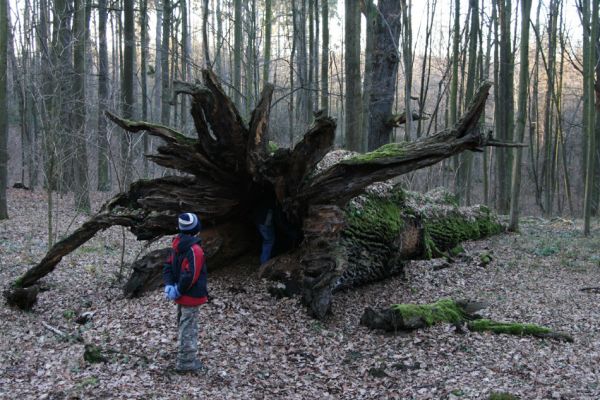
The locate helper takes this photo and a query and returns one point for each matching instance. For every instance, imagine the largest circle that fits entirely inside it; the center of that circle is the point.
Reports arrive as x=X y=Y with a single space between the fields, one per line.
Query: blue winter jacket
x=186 y=268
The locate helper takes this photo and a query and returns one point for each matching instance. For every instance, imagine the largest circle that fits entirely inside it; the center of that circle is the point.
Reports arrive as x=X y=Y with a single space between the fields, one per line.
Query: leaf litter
x=257 y=346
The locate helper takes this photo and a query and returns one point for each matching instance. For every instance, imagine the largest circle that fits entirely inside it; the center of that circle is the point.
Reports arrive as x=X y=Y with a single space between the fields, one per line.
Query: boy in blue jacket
x=184 y=275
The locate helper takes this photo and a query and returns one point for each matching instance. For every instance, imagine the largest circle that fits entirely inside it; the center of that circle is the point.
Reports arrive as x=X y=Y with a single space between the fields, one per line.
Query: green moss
x=90 y=381
x=69 y=314
x=445 y=310
x=18 y=283
x=502 y=396
x=447 y=231
x=272 y=147
x=510 y=328
x=93 y=354
x=385 y=151
x=485 y=258
x=456 y=250
x=376 y=216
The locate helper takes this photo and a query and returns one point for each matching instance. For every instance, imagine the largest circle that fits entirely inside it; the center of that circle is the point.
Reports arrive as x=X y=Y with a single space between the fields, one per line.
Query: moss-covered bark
x=388 y=225
x=407 y=317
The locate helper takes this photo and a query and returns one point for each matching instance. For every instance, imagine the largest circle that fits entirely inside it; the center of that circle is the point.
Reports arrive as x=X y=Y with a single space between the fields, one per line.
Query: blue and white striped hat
x=189 y=223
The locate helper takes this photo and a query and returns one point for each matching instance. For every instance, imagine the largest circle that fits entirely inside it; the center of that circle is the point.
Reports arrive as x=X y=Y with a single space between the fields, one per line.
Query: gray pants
x=188 y=336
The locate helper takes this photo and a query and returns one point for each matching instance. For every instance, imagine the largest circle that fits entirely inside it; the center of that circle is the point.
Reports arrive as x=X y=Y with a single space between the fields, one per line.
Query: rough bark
x=3 y=110
x=370 y=239
x=383 y=68
x=222 y=189
x=353 y=132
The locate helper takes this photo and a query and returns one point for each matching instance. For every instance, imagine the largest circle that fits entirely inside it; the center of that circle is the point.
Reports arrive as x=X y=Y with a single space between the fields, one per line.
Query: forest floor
x=256 y=346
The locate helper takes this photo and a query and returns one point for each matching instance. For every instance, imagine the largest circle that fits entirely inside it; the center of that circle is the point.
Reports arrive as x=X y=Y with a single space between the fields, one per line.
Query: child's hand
x=171 y=292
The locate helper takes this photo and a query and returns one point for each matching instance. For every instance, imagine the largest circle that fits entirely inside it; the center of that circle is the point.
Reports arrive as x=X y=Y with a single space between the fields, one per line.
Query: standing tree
x=237 y=53
x=521 y=113
x=165 y=111
x=504 y=106
x=3 y=109
x=353 y=132
x=127 y=98
x=406 y=8
x=549 y=167
x=382 y=71
x=466 y=159
x=590 y=27
x=102 y=132
x=325 y=57
x=267 y=45
x=144 y=47
x=80 y=167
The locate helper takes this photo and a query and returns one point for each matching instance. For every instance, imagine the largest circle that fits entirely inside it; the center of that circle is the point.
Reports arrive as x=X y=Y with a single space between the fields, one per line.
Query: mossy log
x=228 y=166
x=409 y=317
x=374 y=235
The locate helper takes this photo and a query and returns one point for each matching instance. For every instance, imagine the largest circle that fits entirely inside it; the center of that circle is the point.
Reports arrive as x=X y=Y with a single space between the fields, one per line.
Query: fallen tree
x=409 y=317
x=229 y=165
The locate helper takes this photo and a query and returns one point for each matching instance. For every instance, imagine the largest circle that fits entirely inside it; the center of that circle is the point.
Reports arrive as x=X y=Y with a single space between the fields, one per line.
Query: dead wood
x=229 y=165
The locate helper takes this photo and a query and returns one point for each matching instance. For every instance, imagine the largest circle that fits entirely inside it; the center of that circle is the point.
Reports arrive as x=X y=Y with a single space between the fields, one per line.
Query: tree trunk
x=325 y=57
x=385 y=20
x=505 y=123
x=237 y=53
x=222 y=190
x=127 y=97
x=80 y=166
x=407 y=57
x=144 y=47
x=165 y=113
x=102 y=132
x=353 y=131
x=466 y=159
x=521 y=114
x=3 y=109
x=591 y=21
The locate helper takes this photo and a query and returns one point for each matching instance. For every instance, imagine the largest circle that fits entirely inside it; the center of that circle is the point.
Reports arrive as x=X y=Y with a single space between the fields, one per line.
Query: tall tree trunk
x=426 y=65
x=249 y=70
x=237 y=53
x=80 y=166
x=127 y=97
x=267 y=45
x=158 y=62
x=144 y=47
x=521 y=113
x=352 y=67
x=102 y=132
x=3 y=109
x=549 y=168
x=590 y=18
x=407 y=56
x=385 y=59
x=466 y=159
x=205 y=44
x=302 y=97
x=62 y=100
x=219 y=39
x=325 y=57
x=371 y=13
x=165 y=115
x=504 y=125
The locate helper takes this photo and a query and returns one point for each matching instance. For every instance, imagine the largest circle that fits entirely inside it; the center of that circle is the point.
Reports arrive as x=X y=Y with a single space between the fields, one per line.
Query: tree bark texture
x=228 y=167
x=3 y=109
x=384 y=70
